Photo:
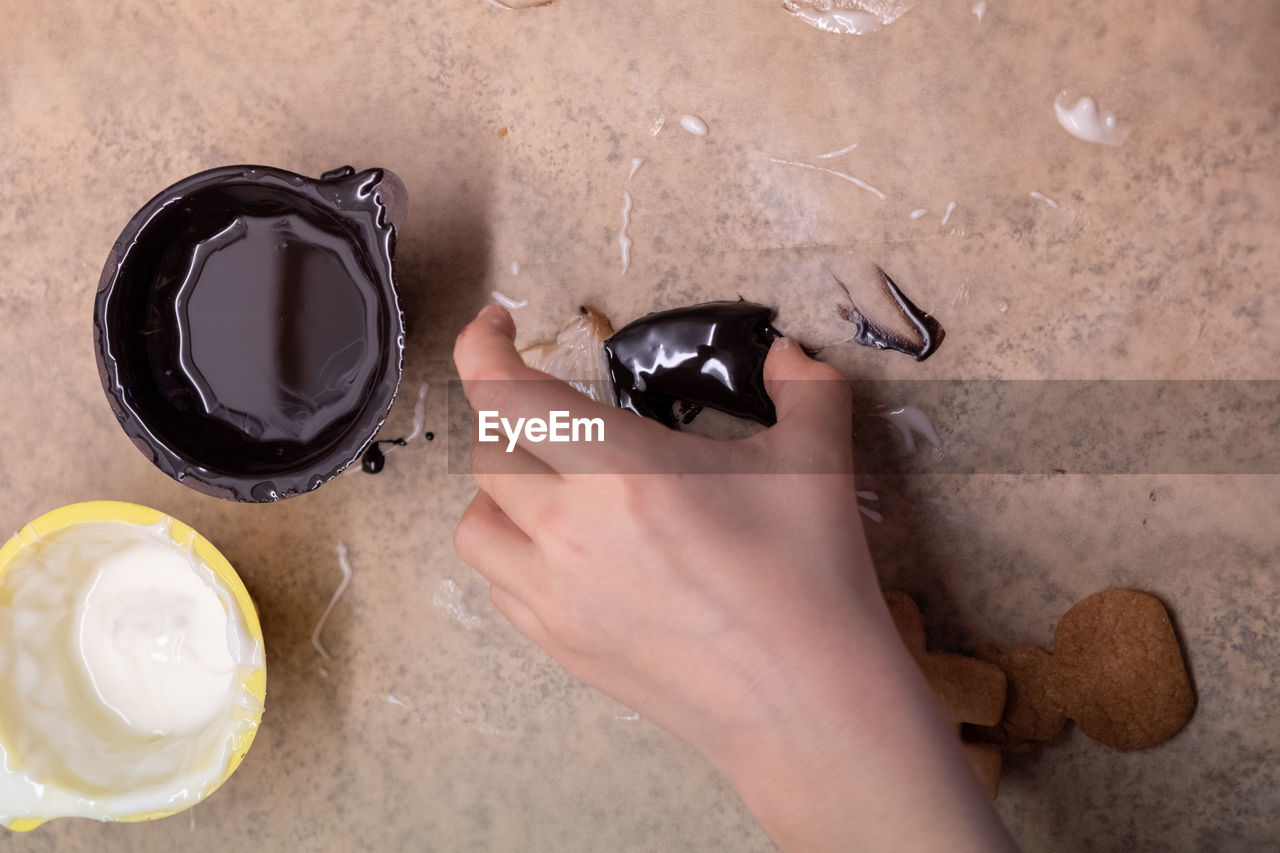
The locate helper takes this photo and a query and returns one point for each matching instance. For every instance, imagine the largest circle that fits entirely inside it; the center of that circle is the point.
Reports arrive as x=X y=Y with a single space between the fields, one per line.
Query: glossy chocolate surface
x=868 y=334
x=705 y=355
x=248 y=331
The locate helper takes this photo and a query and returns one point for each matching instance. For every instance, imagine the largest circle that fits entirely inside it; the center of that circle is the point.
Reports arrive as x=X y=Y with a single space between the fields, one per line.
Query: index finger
x=495 y=379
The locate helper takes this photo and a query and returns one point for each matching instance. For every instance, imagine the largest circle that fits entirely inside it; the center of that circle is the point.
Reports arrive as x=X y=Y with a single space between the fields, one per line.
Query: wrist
x=855 y=750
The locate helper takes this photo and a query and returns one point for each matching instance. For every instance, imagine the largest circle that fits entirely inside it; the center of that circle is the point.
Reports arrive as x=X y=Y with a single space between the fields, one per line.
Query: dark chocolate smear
x=868 y=334
x=374 y=460
x=708 y=355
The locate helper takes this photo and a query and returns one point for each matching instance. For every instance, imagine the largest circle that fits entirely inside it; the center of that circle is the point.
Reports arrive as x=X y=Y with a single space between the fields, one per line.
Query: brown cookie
x=907 y=619
x=970 y=691
x=1120 y=670
x=1033 y=708
x=1116 y=669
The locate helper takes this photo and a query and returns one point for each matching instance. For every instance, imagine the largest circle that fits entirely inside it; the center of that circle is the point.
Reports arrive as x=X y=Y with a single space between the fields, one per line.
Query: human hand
x=737 y=607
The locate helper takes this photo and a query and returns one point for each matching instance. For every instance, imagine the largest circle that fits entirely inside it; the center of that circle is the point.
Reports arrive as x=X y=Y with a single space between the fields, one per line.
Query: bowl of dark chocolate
x=247 y=326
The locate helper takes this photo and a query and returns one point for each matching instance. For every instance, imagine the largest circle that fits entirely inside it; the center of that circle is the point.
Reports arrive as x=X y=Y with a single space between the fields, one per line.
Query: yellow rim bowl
x=183 y=535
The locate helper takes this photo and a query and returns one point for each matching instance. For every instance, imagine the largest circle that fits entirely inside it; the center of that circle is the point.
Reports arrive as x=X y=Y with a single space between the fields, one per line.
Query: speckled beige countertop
x=1160 y=260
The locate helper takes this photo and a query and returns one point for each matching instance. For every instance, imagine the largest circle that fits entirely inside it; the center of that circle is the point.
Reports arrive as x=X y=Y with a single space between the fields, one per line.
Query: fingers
x=812 y=398
x=519 y=615
x=496 y=380
x=490 y=542
x=522 y=485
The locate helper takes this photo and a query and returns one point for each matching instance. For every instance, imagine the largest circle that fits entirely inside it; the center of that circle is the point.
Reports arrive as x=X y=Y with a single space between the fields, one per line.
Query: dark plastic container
x=247 y=327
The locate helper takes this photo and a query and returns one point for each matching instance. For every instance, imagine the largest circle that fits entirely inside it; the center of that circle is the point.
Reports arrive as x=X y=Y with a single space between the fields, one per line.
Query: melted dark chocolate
x=374 y=460
x=708 y=355
x=248 y=331
x=868 y=334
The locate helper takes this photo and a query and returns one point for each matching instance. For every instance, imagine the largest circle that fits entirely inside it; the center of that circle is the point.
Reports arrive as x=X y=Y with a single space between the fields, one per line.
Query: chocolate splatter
x=374 y=460
x=868 y=334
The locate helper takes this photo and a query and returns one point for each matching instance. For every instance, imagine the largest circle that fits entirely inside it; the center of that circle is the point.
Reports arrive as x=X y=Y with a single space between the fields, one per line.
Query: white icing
x=345 y=568
x=841 y=22
x=515 y=268
x=870 y=513
x=694 y=125
x=867 y=496
x=507 y=302
x=419 y=413
x=448 y=599
x=656 y=126
x=980 y=9
x=153 y=635
x=123 y=668
x=842 y=175
x=848 y=17
x=909 y=420
x=946 y=216
x=636 y=163
x=1044 y=198
x=1084 y=120
x=831 y=155
x=919 y=212
x=624 y=242
x=392 y=699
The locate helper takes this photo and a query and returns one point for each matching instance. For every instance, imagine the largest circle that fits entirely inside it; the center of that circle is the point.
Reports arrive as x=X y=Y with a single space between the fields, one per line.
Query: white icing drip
x=448 y=600
x=392 y=699
x=842 y=175
x=515 y=268
x=870 y=513
x=419 y=412
x=980 y=9
x=342 y=587
x=636 y=163
x=919 y=212
x=1044 y=198
x=909 y=420
x=507 y=302
x=420 y=405
x=1086 y=121
x=694 y=125
x=831 y=155
x=841 y=22
x=624 y=242
x=867 y=496
x=951 y=206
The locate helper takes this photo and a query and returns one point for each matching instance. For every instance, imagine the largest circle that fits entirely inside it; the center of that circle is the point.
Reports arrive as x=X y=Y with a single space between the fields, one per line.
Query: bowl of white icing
x=132 y=667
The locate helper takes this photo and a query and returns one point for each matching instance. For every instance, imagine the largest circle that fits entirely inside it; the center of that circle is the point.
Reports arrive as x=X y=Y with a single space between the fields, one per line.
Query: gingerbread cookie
x=1116 y=669
x=970 y=691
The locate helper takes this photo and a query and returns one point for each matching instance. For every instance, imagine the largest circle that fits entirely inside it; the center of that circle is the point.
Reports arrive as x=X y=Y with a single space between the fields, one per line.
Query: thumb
x=810 y=396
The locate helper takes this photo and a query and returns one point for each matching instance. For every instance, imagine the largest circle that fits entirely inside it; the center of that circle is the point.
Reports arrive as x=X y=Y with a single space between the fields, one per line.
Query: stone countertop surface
x=435 y=726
